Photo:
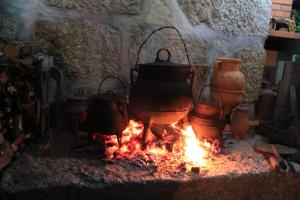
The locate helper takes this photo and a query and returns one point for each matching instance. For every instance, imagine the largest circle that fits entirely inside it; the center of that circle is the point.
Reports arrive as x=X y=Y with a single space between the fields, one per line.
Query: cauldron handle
x=122 y=83
x=146 y=40
x=220 y=99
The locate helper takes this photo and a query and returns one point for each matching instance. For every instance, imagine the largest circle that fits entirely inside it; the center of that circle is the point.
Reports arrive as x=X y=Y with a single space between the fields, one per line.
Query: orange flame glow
x=187 y=149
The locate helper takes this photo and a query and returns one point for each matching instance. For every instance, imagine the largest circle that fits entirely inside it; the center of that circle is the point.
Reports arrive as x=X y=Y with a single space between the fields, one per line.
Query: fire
x=193 y=150
x=186 y=149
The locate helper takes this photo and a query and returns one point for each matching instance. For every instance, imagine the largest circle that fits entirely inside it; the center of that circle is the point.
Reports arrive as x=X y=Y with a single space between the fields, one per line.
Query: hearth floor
x=34 y=171
x=61 y=173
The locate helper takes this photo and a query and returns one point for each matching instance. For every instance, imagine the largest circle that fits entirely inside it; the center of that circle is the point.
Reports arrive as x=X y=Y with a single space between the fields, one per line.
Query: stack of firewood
x=18 y=99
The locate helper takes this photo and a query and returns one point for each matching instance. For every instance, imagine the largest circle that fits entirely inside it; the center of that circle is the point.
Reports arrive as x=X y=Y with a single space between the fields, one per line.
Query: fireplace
x=107 y=99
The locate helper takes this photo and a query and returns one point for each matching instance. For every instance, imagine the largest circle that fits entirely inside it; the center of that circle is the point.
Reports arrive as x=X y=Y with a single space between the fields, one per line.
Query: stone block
x=253 y=60
x=8 y=25
x=230 y=16
x=103 y=7
x=90 y=51
x=159 y=13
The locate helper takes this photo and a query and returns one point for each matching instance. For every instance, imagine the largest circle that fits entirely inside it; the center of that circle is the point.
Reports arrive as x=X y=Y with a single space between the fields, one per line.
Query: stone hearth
x=62 y=172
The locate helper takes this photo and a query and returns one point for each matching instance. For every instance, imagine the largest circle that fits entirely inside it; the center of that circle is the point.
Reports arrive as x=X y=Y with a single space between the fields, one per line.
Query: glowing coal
x=186 y=150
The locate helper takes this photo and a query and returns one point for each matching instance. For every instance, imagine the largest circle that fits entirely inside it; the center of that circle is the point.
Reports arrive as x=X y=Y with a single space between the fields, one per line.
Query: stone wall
x=98 y=38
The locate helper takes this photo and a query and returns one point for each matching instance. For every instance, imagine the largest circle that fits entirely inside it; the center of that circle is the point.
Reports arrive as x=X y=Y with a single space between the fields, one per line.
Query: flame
x=187 y=149
x=194 y=152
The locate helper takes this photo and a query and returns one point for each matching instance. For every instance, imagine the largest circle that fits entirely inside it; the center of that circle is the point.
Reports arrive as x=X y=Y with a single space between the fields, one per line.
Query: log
x=288 y=138
x=282 y=100
x=6 y=154
x=267 y=148
x=295 y=167
x=16 y=49
x=274 y=163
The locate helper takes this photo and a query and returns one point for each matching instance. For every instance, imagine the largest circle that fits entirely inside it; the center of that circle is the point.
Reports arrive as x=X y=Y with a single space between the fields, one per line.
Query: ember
x=187 y=149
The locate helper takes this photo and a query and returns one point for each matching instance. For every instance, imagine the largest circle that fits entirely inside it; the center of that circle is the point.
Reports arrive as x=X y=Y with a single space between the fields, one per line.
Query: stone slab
x=103 y=7
x=36 y=174
x=253 y=60
x=230 y=16
x=91 y=51
x=8 y=23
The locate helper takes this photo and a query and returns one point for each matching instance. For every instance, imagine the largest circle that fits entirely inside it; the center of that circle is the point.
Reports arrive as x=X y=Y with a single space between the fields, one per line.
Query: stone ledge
x=103 y=7
x=270 y=186
x=84 y=176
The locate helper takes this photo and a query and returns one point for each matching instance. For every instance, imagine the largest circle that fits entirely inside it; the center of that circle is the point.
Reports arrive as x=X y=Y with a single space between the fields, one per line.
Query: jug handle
x=217 y=69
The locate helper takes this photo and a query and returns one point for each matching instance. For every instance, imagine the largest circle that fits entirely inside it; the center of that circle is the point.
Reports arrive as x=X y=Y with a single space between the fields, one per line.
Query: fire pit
x=154 y=171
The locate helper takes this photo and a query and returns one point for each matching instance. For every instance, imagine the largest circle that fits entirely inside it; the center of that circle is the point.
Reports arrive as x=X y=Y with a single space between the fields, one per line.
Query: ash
x=32 y=171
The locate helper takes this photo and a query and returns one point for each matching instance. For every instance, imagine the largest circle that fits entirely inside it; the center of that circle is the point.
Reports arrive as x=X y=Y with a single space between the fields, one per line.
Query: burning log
x=187 y=149
x=274 y=163
x=195 y=170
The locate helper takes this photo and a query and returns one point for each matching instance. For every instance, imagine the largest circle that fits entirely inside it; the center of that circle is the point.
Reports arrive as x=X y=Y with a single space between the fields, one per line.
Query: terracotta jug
x=240 y=123
x=227 y=74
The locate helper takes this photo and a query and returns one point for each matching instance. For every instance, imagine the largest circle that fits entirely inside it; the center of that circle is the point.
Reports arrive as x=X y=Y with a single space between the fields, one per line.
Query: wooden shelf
x=284 y=34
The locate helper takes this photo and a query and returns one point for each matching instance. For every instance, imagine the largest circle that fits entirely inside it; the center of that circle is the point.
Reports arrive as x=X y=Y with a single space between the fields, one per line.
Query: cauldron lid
x=78 y=98
x=109 y=96
x=163 y=63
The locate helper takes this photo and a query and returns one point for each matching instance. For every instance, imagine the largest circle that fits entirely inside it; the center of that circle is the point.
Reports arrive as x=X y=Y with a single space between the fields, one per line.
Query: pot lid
x=110 y=95
x=78 y=98
x=159 y=62
x=208 y=102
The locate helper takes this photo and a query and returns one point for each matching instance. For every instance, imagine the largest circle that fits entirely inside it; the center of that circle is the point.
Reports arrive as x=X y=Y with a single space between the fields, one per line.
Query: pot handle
x=150 y=35
x=114 y=77
x=220 y=99
x=160 y=60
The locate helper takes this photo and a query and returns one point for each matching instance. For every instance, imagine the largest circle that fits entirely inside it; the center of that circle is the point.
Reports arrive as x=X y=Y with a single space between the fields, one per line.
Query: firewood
x=6 y=154
x=274 y=163
x=15 y=49
x=12 y=49
x=195 y=170
x=266 y=148
x=295 y=167
x=1 y=138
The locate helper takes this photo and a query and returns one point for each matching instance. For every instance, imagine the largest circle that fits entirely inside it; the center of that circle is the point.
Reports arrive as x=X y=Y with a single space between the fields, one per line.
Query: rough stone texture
x=7 y=26
x=102 y=7
x=230 y=16
x=196 y=50
x=98 y=38
x=160 y=13
x=91 y=51
x=253 y=60
x=201 y=75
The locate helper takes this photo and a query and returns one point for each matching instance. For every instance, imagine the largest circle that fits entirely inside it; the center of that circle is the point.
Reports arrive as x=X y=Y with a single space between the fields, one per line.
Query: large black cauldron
x=161 y=93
